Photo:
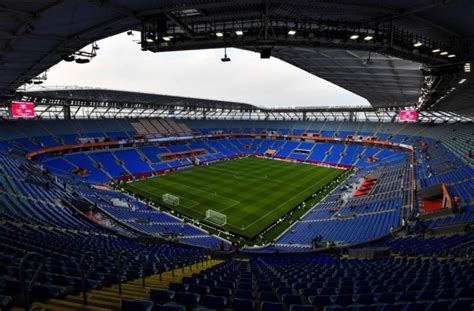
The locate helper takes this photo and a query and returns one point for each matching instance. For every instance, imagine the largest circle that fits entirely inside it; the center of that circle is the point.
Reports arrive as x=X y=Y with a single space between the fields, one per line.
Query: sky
x=122 y=65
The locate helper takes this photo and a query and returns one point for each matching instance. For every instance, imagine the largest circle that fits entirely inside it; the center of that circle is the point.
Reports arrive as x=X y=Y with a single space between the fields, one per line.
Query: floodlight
x=354 y=37
x=368 y=38
x=239 y=32
x=291 y=32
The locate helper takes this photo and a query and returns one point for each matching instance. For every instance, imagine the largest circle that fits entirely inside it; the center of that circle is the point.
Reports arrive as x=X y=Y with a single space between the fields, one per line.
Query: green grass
x=254 y=193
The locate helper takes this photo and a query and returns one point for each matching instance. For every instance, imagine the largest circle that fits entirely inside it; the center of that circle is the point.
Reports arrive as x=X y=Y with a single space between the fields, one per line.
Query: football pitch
x=252 y=192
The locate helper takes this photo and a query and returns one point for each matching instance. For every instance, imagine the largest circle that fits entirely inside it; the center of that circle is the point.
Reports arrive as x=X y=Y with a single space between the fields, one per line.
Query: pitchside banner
x=22 y=110
x=408 y=115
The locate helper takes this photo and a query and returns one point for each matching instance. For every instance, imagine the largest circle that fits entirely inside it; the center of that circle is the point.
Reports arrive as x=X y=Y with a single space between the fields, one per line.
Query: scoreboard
x=22 y=110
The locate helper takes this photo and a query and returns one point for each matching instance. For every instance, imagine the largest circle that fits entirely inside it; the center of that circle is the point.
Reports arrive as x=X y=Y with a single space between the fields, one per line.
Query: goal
x=170 y=199
x=216 y=218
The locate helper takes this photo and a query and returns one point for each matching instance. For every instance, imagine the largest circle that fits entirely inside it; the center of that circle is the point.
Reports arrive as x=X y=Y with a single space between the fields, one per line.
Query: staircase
x=109 y=299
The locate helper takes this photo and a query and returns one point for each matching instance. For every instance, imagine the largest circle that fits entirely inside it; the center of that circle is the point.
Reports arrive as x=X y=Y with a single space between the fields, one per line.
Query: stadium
x=126 y=200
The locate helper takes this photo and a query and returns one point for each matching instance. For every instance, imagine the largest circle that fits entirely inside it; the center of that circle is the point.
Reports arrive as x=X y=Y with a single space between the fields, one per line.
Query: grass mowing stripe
x=253 y=193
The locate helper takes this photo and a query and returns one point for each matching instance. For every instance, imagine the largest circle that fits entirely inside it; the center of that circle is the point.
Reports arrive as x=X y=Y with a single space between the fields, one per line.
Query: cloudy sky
x=120 y=64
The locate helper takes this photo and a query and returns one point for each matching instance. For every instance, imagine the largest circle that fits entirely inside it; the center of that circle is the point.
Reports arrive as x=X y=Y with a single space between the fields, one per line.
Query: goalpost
x=216 y=218
x=170 y=199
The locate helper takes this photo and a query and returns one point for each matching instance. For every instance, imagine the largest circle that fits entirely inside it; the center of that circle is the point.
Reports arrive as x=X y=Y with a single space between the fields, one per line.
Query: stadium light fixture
x=451 y=55
x=239 y=32
x=462 y=81
x=368 y=38
x=167 y=38
x=444 y=53
x=354 y=37
x=417 y=44
x=467 y=67
x=436 y=51
x=291 y=32
x=219 y=34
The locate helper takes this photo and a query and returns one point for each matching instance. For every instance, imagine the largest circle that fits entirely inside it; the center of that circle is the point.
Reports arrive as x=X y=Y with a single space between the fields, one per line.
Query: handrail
x=144 y=260
x=120 y=263
x=84 y=274
x=27 y=287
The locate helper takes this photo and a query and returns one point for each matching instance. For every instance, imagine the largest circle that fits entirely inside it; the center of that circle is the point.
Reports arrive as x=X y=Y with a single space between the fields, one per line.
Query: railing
x=120 y=263
x=85 y=274
x=144 y=260
x=26 y=288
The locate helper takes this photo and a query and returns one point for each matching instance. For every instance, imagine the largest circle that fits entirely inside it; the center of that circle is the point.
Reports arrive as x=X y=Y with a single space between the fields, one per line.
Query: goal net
x=170 y=199
x=216 y=218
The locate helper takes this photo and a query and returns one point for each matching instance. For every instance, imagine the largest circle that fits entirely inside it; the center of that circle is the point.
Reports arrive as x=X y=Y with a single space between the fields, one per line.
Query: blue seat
x=390 y=307
x=216 y=301
x=342 y=300
x=364 y=299
x=385 y=297
x=170 y=307
x=301 y=308
x=226 y=284
x=462 y=305
x=440 y=305
x=309 y=291
x=271 y=306
x=465 y=292
x=199 y=289
x=416 y=306
x=290 y=299
x=363 y=290
x=161 y=295
x=266 y=296
x=178 y=287
x=244 y=294
x=407 y=296
x=243 y=304
x=446 y=293
x=429 y=294
x=190 y=280
x=283 y=290
x=320 y=300
x=245 y=286
x=137 y=305
x=222 y=291
x=187 y=298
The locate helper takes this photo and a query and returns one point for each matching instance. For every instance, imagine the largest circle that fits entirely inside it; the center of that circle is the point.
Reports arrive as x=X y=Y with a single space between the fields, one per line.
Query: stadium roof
x=35 y=35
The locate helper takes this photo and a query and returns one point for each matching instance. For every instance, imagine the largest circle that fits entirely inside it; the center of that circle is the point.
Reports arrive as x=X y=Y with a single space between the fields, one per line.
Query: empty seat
x=301 y=308
x=187 y=298
x=137 y=305
x=266 y=296
x=244 y=294
x=178 y=287
x=320 y=300
x=364 y=299
x=243 y=304
x=385 y=297
x=170 y=307
x=271 y=306
x=216 y=301
x=407 y=296
x=160 y=295
x=291 y=299
x=222 y=291
x=199 y=289
x=342 y=300
x=462 y=305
